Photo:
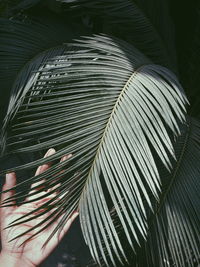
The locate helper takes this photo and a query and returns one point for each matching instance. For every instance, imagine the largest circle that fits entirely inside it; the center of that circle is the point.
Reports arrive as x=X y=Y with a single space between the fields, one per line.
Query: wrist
x=7 y=259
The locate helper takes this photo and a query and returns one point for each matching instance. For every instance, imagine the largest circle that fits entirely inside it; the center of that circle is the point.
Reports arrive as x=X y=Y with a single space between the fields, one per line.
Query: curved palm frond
x=173 y=237
x=24 y=4
x=104 y=102
x=27 y=5
x=23 y=38
x=159 y=14
x=125 y=20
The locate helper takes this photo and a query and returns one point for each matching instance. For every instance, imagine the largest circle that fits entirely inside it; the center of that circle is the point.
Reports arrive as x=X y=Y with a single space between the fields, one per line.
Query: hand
x=32 y=253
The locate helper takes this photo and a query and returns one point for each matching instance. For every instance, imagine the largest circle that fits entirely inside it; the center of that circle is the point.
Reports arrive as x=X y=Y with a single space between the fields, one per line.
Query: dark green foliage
x=193 y=76
x=111 y=99
x=22 y=38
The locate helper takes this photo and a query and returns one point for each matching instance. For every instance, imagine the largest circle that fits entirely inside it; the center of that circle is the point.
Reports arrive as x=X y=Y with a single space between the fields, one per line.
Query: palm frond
x=30 y=5
x=173 y=238
x=158 y=12
x=125 y=20
x=24 y=4
x=173 y=234
x=103 y=101
x=23 y=38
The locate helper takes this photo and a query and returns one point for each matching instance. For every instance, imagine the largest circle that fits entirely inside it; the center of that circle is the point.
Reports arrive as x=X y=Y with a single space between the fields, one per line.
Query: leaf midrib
x=178 y=164
x=107 y=126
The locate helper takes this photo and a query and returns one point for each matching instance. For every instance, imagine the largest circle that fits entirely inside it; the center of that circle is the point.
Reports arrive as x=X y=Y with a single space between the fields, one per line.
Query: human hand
x=32 y=252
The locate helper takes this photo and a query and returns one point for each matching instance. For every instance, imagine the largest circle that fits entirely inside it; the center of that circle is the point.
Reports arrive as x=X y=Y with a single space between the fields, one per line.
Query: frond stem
x=108 y=123
x=176 y=169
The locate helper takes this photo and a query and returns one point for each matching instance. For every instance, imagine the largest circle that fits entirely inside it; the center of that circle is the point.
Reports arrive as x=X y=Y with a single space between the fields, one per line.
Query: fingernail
x=8 y=177
x=50 y=152
x=66 y=157
x=38 y=170
x=75 y=214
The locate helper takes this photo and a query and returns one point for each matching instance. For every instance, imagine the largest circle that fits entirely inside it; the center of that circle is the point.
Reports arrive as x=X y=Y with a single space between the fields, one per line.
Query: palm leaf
x=158 y=12
x=173 y=238
x=24 y=4
x=124 y=19
x=107 y=104
x=23 y=38
x=179 y=208
x=173 y=235
x=27 y=5
x=10 y=8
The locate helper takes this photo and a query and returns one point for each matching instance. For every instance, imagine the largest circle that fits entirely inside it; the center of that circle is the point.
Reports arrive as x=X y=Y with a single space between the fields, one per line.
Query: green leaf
x=21 y=39
x=173 y=237
x=173 y=234
x=158 y=12
x=105 y=103
x=125 y=20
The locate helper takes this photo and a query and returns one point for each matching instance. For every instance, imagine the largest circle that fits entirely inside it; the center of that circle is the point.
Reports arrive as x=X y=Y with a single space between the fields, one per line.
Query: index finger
x=38 y=185
x=9 y=184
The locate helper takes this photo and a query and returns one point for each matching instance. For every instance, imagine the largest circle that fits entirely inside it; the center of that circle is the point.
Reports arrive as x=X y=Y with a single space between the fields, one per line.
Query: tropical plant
x=114 y=101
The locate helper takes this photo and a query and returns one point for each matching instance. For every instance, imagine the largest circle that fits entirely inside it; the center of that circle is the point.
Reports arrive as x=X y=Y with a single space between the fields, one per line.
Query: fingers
x=36 y=186
x=65 y=157
x=62 y=159
x=45 y=166
x=10 y=182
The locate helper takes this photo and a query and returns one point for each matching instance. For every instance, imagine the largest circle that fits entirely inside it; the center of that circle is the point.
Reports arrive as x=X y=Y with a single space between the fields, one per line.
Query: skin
x=32 y=253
